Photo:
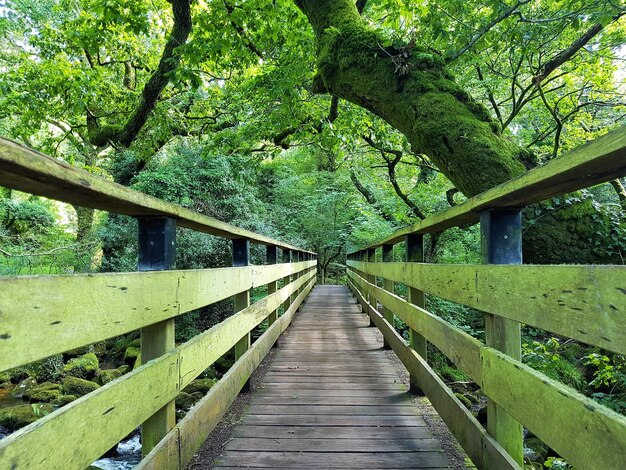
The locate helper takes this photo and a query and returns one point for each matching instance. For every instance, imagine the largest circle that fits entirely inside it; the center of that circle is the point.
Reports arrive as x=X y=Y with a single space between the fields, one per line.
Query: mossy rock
x=83 y=367
x=63 y=400
x=535 y=450
x=78 y=387
x=463 y=399
x=185 y=400
x=200 y=385
x=104 y=376
x=136 y=343
x=76 y=352
x=5 y=377
x=45 y=392
x=16 y=417
x=24 y=388
x=223 y=364
x=131 y=354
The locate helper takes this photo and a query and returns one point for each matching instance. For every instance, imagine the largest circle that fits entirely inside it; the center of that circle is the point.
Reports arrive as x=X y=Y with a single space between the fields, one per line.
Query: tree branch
x=621 y=192
x=370 y=198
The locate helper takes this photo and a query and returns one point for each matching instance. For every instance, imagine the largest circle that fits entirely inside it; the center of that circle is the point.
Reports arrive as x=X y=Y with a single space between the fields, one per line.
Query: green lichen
x=78 y=387
x=84 y=367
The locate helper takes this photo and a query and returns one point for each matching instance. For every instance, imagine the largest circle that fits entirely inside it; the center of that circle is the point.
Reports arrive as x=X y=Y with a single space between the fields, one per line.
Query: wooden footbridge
x=329 y=398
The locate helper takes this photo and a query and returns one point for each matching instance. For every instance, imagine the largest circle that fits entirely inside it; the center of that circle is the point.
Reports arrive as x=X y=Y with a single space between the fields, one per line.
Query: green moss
x=16 y=417
x=131 y=354
x=200 y=385
x=84 y=367
x=185 y=400
x=45 y=392
x=107 y=375
x=63 y=400
x=463 y=399
x=78 y=387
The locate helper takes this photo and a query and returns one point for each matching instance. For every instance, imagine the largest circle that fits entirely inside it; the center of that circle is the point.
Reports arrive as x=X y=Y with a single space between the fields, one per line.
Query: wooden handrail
x=598 y=161
x=27 y=170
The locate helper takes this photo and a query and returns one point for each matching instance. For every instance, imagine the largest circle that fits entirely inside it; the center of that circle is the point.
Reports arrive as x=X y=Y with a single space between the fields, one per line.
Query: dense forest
x=324 y=123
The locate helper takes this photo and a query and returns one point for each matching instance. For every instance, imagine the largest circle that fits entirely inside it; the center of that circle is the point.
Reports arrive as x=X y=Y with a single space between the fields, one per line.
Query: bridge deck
x=331 y=399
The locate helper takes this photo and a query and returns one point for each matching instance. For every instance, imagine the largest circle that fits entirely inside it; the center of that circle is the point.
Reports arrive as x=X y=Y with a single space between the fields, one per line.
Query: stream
x=128 y=456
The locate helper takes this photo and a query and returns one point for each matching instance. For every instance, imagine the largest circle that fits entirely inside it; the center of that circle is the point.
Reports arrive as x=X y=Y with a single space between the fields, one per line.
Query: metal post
x=415 y=254
x=157 y=252
x=501 y=242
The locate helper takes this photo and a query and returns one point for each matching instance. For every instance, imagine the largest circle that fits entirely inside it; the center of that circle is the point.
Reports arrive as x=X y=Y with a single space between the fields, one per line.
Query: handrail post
x=241 y=257
x=286 y=279
x=370 y=254
x=388 y=286
x=501 y=243
x=415 y=254
x=157 y=252
x=272 y=258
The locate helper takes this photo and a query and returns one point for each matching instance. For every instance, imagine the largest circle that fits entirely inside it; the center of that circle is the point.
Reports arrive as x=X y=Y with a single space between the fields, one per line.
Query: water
x=129 y=456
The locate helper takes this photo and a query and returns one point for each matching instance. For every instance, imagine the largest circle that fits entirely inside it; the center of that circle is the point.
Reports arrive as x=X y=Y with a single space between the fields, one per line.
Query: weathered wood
x=414 y=246
x=286 y=279
x=360 y=460
x=598 y=161
x=272 y=258
x=458 y=346
x=79 y=433
x=201 y=351
x=586 y=303
x=479 y=445
x=27 y=170
x=35 y=308
x=192 y=430
x=501 y=243
x=580 y=430
x=388 y=286
x=309 y=444
x=328 y=432
x=241 y=300
x=157 y=252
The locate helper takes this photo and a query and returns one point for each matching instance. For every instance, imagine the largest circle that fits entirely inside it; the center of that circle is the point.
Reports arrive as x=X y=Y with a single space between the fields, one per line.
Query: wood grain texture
x=586 y=303
x=36 y=308
x=326 y=408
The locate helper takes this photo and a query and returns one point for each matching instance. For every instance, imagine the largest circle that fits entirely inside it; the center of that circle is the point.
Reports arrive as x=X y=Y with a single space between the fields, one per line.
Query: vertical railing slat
x=388 y=286
x=157 y=252
x=501 y=242
x=415 y=254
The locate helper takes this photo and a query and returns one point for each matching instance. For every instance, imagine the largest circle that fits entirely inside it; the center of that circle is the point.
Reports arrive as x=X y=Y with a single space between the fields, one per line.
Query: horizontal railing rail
x=27 y=170
x=585 y=303
x=42 y=316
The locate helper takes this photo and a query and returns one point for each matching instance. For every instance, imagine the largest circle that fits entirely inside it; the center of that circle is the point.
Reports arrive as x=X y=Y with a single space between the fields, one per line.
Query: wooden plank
x=274 y=444
x=596 y=162
x=344 y=432
x=335 y=410
x=27 y=170
x=197 y=424
x=585 y=433
x=586 y=303
x=35 y=308
x=201 y=351
x=97 y=421
x=360 y=460
x=458 y=346
x=330 y=420
x=482 y=449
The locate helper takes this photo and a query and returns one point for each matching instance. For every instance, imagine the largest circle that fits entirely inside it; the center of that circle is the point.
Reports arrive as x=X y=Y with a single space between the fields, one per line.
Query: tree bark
x=411 y=89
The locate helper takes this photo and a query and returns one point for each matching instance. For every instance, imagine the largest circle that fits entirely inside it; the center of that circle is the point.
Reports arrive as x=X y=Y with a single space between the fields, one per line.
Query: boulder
x=15 y=417
x=83 y=367
x=535 y=450
x=24 y=387
x=104 y=376
x=63 y=400
x=185 y=400
x=46 y=392
x=78 y=387
x=200 y=385
x=131 y=354
x=463 y=399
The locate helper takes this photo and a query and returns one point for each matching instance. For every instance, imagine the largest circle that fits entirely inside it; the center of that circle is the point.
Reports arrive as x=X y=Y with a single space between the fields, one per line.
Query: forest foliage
x=214 y=105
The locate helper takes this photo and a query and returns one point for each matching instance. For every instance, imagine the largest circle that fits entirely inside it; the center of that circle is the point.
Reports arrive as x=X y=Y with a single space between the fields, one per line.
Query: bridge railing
x=41 y=316
x=586 y=303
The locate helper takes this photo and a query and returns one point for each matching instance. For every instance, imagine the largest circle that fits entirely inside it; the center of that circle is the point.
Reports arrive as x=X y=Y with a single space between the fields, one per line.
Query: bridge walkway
x=332 y=399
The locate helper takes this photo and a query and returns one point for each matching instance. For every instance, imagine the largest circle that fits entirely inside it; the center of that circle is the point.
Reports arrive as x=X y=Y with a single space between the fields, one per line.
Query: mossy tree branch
x=151 y=92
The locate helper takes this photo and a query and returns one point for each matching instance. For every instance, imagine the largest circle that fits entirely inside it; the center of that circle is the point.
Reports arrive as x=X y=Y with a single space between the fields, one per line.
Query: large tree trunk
x=412 y=90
